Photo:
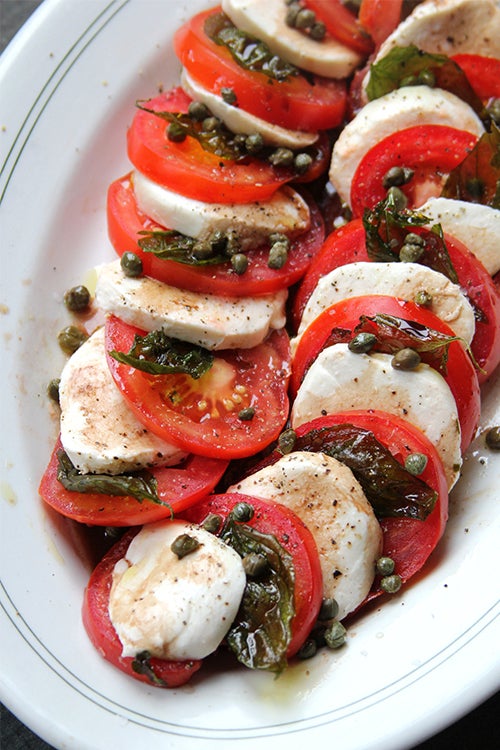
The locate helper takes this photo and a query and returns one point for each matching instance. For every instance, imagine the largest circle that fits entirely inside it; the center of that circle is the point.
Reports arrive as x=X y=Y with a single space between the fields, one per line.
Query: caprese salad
x=268 y=407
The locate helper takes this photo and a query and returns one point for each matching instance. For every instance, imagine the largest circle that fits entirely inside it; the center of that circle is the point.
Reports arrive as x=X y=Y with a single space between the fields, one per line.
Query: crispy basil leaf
x=160 y=354
x=477 y=178
x=389 y=487
x=140 y=485
x=261 y=632
x=171 y=245
x=409 y=66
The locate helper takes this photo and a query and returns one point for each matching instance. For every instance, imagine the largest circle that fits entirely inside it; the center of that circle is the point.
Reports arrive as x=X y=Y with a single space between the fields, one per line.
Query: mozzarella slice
x=477 y=226
x=175 y=608
x=449 y=27
x=265 y=19
x=204 y=319
x=286 y=211
x=340 y=380
x=400 y=109
x=98 y=431
x=403 y=280
x=239 y=121
x=325 y=494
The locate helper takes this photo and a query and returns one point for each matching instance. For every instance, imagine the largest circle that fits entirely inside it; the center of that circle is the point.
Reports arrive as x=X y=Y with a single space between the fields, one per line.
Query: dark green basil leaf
x=171 y=245
x=160 y=354
x=142 y=665
x=477 y=178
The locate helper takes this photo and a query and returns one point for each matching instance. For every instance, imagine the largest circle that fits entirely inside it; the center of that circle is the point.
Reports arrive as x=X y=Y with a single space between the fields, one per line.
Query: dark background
x=479 y=730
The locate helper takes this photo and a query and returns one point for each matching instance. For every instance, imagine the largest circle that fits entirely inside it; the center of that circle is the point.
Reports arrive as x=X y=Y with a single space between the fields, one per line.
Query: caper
x=415 y=239
x=254 y=142
x=406 y=359
x=254 y=564
x=415 y=463
x=210 y=124
x=184 y=545
x=305 y=19
x=71 y=338
x=291 y=14
x=198 y=111
x=278 y=255
x=426 y=78
x=308 y=649
x=329 y=609
x=243 y=512
x=423 y=298
x=77 y=299
x=212 y=523
x=282 y=157
x=362 y=343
x=335 y=635
x=202 y=250
x=53 y=389
x=317 y=31
x=396 y=176
x=278 y=237
x=302 y=163
x=239 y=262
x=410 y=253
x=286 y=441
x=398 y=198
x=228 y=95
x=246 y=414
x=232 y=242
x=391 y=584
x=385 y=566
x=493 y=438
x=176 y=133
x=131 y=264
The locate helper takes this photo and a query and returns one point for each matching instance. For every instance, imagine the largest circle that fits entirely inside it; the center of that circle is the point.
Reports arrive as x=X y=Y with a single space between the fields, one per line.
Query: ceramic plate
x=69 y=82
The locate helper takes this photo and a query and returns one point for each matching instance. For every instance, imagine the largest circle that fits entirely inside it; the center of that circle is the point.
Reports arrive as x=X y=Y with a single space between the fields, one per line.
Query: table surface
x=479 y=730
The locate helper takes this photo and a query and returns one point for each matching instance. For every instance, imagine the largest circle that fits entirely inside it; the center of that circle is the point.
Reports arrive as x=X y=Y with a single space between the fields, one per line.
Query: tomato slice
x=103 y=635
x=341 y=24
x=301 y=102
x=178 y=486
x=380 y=17
x=190 y=170
x=431 y=151
x=204 y=414
x=460 y=374
x=409 y=542
x=294 y=537
x=483 y=74
x=126 y=221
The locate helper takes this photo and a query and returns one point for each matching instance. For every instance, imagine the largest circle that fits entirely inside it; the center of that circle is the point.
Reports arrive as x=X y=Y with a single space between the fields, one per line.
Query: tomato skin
x=297 y=103
x=186 y=168
x=380 y=18
x=341 y=24
x=430 y=150
x=407 y=541
x=263 y=372
x=483 y=74
x=125 y=221
x=295 y=537
x=179 y=486
x=460 y=376
x=105 y=638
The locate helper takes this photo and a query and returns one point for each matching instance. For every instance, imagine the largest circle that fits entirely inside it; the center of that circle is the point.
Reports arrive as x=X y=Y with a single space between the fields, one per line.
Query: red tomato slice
x=187 y=168
x=432 y=151
x=179 y=486
x=460 y=376
x=295 y=537
x=301 y=102
x=379 y=18
x=103 y=635
x=341 y=24
x=347 y=245
x=407 y=541
x=203 y=413
x=483 y=74
x=126 y=221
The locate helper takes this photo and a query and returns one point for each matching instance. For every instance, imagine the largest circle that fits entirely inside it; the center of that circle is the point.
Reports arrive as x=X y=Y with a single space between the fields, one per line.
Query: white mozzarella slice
x=203 y=319
x=98 y=431
x=286 y=211
x=239 y=121
x=340 y=380
x=403 y=280
x=449 y=27
x=175 y=608
x=265 y=19
x=400 y=109
x=477 y=226
x=326 y=495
